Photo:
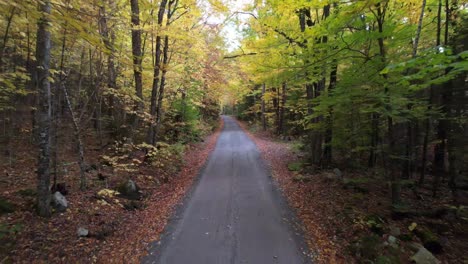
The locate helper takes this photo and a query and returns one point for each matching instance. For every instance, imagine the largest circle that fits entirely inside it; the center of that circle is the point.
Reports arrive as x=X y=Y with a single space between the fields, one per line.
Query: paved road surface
x=234 y=214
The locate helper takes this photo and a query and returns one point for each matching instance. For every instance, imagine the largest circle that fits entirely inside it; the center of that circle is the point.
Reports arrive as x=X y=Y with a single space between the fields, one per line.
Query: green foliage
x=9 y=230
x=182 y=122
x=295 y=166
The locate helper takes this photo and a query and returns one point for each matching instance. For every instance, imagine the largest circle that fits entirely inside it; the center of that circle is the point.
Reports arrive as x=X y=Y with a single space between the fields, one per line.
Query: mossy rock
x=429 y=239
x=295 y=166
x=129 y=190
x=375 y=224
x=6 y=206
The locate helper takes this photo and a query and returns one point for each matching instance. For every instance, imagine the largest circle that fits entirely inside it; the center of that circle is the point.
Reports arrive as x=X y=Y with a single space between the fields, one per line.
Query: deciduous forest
x=110 y=111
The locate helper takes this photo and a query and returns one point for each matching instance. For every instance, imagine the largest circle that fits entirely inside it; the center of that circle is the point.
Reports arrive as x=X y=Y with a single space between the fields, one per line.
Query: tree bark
x=327 y=152
x=161 y=89
x=44 y=109
x=263 y=108
x=171 y=7
x=276 y=105
x=151 y=137
x=282 y=107
x=137 y=60
x=108 y=37
x=5 y=36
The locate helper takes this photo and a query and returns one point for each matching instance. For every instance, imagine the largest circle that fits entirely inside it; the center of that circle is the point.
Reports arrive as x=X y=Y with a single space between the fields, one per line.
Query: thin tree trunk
x=407 y=169
x=151 y=137
x=427 y=125
x=391 y=156
x=442 y=127
x=418 y=32
x=374 y=139
x=56 y=113
x=276 y=106
x=5 y=36
x=44 y=110
x=78 y=138
x=108 y=37
x=263 y=107
x=282 y=107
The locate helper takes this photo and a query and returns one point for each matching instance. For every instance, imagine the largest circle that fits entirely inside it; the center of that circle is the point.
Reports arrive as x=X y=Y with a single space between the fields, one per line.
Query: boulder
x=423 y=256
x=129 y=190
x=392 y=241
x=414 y=246
x=60 y=202
x=82 y=232
x=430 y=240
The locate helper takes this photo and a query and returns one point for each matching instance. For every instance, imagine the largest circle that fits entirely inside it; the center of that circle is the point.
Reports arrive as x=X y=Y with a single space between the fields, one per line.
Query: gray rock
x=60 y=202
x=395 y=231
x=131 y=187
x=414 y=246
x=82 y=232
x=393 y=241
x=338 y=173
x=129 y=190
x=423 y=256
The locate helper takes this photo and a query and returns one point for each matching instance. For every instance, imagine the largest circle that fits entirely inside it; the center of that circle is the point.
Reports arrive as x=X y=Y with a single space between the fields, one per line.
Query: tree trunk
x=44 y=110
x=407 y=169
x=374 y=140
x=392 y=151
x=263 y=108
x=282 y=107
x=276 y=105
x=427 y=123
x=137 y=59
x=161 y=89
x=5 y=36
x=108 y=37
x=151 y=137
x=327 y=152
x=79 y=142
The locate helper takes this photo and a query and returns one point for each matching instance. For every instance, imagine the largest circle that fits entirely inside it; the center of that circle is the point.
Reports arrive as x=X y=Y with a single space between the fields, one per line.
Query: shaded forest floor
x=119 y=229
x=347 y=217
